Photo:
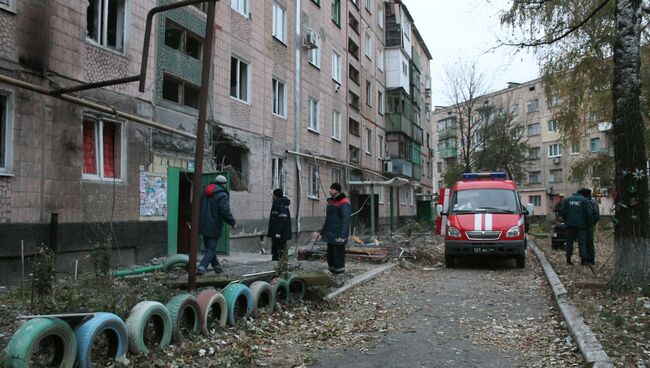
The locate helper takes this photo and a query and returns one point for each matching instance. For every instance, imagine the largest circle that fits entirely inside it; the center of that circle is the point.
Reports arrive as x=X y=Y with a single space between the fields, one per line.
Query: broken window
x=180 y=92
x=102 y=149
x=353 y=127
x=313 y=181
x=279 y=98
x=232 y=156
x=179 y=38
x=105 y=23
x=279 y=175
x=239 y=79
x=354 y=154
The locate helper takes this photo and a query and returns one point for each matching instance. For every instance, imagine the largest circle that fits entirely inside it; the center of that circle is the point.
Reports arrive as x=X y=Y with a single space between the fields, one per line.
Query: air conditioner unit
x=309 y=42
x=556 y=160
x=387 y=167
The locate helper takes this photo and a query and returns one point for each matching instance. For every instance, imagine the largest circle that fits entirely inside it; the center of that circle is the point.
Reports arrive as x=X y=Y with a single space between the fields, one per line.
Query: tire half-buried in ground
x=239 y=301
x=297 y=289
x=263 y=298
x=184 y=311
x=41 y=342
x=101 y=340
x=213 y=310
x=149 y=326
x=281 y=290
x=176 y=261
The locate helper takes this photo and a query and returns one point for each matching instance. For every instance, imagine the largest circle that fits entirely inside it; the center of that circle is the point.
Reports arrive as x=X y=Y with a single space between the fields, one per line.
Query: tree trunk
x=632 y=250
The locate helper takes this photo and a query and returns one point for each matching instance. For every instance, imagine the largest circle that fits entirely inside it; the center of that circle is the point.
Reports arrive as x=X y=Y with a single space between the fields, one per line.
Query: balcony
x=398 y=123
x=402 y=167
x=416 y=154
x=418 y=134
x=447 y=133
x=416 y=59
x=393 y=32
x=417 y=172
x=448 y=152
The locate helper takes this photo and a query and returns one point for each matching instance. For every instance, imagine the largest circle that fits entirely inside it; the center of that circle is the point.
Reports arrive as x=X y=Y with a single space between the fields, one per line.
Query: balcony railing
x=448 y=152
x=416 y=154
x=418 y=134
x=398 y=123
x=447 y=133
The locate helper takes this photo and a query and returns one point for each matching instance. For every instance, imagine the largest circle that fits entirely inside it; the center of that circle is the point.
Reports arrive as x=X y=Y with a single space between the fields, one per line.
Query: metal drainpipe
x=347 y=106
x=298 y=115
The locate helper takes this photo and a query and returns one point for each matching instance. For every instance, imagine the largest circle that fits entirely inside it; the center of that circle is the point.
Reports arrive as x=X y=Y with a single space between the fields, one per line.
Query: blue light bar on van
x=496 y=175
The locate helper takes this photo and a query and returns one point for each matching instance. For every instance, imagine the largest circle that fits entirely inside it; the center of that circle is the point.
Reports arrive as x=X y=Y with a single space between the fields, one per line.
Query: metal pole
x=372 y=210
x=392 y=214
x=200 y=138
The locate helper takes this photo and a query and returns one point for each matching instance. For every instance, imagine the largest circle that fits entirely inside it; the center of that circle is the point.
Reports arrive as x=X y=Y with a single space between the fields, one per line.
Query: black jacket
x=215 y=210
x=337 y=220
x=577 y=212
x=280 y=219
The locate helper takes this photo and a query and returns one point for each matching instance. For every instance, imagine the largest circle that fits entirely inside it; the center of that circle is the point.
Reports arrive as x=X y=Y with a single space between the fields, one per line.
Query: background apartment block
x=550 y=157
x=297 y=101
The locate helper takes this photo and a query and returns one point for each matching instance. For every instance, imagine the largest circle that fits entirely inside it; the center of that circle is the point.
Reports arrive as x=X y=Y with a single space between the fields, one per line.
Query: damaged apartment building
x=302 y=94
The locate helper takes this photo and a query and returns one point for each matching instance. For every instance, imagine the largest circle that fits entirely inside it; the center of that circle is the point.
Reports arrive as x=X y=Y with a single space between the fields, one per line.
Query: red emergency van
x=482 y=215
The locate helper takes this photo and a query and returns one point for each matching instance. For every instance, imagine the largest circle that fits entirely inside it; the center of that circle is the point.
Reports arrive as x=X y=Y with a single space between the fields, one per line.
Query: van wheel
x=449 y=261
x=521 y=261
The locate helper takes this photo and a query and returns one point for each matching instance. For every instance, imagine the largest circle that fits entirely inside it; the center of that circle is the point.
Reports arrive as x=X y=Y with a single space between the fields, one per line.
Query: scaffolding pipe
x=95 y=106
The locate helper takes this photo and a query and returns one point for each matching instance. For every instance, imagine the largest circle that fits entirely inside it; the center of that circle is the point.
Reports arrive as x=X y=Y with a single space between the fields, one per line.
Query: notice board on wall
x=153 y=195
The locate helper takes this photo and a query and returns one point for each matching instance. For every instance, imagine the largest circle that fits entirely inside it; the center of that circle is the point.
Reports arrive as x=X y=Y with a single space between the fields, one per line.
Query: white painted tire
x=263 y=297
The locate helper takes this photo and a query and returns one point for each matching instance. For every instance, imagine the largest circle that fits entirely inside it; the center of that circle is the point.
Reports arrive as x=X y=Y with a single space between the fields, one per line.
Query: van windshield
x=485 y=200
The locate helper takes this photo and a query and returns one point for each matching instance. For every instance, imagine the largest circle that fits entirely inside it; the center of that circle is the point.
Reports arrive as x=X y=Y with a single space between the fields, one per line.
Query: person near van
x=595 y=215
x=279 y=224
x=577 y=214
x=215 y=210
x=335 y=230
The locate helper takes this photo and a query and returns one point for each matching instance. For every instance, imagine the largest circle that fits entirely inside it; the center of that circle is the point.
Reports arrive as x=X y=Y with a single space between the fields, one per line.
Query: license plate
x=482 y=250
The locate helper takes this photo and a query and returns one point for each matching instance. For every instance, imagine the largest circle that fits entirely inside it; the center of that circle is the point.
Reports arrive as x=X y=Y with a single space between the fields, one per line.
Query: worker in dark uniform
x=577 y=214
x=595 y=216
x=335 y=230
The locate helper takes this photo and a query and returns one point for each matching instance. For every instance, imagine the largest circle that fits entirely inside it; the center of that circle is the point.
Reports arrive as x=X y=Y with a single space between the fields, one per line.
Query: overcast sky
x=456 y=30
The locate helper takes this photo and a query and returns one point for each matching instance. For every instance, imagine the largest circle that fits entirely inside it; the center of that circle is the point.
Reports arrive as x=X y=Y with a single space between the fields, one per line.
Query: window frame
x=536 y=200
x=535 y=149
x=7 y=107
x=552 y=126
x=559 y=150
x=279 y=108
x=538 y=175
x=238 y=85
x=574 y=151
x=536 y=131
x=313 y=55
x=278 y=9
x=336 y=66
x=552 y=179
x=336 y=18
x=101 y=27
x=381 y=149
x=380 y=15
x=183 y=84
x=313 y=123
x=337 y=176
x=380 y=102
x=368 y=6
x=242 y=7
x=185 y=34
x=10 y=6
x=369 y=94
x=337 y=125
x=591 y=145
x=313 y=181
x=369 y=139
x=368 y=45
x=530 y=103
x=278 y=174
x=380 y=58
x=99 y=148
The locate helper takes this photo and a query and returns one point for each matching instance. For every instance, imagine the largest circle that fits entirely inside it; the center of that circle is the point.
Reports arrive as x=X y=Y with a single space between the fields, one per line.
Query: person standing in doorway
x=215 y=210
x=279 y=224
x=335 y=230
x=576 y=212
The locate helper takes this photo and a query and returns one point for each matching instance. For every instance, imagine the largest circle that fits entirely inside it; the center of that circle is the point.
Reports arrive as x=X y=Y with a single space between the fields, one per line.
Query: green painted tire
x=145 y=316
x=184 y=311
x=239 y=302
x=297 y=288
x=30 y=337
x=281 y=291
x=176 y=261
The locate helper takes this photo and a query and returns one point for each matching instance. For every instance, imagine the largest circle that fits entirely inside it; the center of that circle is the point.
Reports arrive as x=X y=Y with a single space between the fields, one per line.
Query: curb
x=369 y=275
x=591 y=349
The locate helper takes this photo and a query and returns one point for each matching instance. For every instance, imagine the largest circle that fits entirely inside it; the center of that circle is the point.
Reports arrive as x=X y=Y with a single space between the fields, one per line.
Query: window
x=313 y=115
x=353 y=126
x=279 y=176
x=279 y=98
x=405 y=69
x=105 y=23
x=535 y=200
x=239 y=77
x=380 y=146
x=336 y=12
x=532 y=105
x=102 y=149
x=202 y=7
x=380 y=194
x=380 y=16
x=555 y=150
x=336 y=176
x=575 y=148
x=552 y=126
x=317 y=2
x=353 y=22
x=179 y=38
x=555 y=176
x=533 y=129
x=368 y=46
x=594 y=144
x=279 y=23
x=6 y=132
x=368 y=93
x=353 y=48
x=336 y=125
x=336 y=66
x=180 y=92
x=354 y=100
x=533 y=153
x=8 y=4
x=369 y=6
x=354 y=154
x=406 y=28
x=410 y=192
x=535 y=177
x=313 y=181
x=368 y=141
x=380 y=58
x=353 y=74
x=242 y=6
x=514 y=110
x=355 y=3
x=380 y=102
x=313 y=55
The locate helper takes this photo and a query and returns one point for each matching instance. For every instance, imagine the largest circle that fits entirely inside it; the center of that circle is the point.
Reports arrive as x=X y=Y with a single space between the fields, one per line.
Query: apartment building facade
x=550 y=158
x=297 y=101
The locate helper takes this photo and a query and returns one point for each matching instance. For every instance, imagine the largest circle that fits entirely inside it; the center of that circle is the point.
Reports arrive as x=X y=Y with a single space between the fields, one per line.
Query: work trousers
x=277 y=247
x=210 y=255
x=581 y=236
x=336 y=258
